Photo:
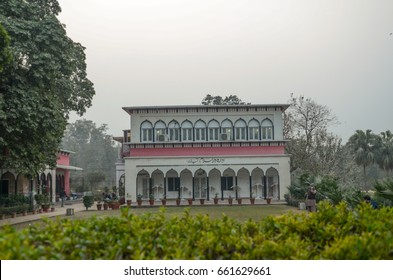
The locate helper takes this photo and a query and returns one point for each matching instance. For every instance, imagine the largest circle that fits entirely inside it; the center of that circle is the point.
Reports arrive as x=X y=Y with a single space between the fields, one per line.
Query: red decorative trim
x=207 y=151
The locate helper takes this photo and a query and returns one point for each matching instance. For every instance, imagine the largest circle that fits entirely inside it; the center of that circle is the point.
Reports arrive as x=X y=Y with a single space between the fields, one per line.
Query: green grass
x=241 y=213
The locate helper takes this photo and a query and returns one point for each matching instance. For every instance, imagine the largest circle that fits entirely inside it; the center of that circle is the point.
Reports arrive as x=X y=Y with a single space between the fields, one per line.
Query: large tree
x=363 y=147
x=45 y=82
x=384 y=151
x=94 y=151
x=5 y=52
x=311 y=146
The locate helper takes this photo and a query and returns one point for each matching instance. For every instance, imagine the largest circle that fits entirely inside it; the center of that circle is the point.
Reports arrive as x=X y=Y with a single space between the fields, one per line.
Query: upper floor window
x=240 y=130
x=213 y=130
x=267 y=129
x=174 y=131
x=160 y=131
x=147 y=131
x=200 y=131
x=186 y=129
x=226 y=129
x=253 y=130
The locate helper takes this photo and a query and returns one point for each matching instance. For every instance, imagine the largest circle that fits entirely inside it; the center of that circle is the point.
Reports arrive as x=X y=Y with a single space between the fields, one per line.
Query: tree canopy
x=218 y=100
x=45 y=81
x=5 y=52
x=94 y=152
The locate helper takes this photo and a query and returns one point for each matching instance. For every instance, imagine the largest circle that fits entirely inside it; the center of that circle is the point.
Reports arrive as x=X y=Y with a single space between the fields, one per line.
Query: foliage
x=44 y=82
x=313 y=149
x=218 y=100
x=384 y=151
x=94 y=152
x=328 y=189
x=19 y=208
x=330 y=233
x=88 y=201
x=384 y=189
x=13 y=200
x=362 y=145
x=5 y=53
x=41 y=199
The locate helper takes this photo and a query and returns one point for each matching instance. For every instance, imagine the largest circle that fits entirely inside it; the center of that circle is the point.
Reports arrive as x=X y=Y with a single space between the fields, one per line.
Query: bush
x=334 y=232
x=88 y=201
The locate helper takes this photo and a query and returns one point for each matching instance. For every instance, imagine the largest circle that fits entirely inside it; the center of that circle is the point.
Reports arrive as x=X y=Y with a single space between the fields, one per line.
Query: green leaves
x=331 y=233
x=44 y=83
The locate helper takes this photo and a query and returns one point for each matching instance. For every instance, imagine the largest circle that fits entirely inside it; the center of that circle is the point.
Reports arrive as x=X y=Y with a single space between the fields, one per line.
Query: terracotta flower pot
x=202 y=201
x=189 y=201
x=252 y=200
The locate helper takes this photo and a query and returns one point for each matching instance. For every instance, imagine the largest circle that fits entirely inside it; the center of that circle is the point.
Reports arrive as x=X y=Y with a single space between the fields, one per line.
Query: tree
x=384 y=151
x=44 y=83
x=5 y=52
x=94 y=151
x=218 y=100
x=305 y=125
x=362 y=145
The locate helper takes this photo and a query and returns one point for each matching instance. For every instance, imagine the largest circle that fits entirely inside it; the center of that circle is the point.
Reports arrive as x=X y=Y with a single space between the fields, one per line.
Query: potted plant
x=252 y=199
x=45 y=204
x=52 y=207
x=215 y=199
x=106 y=204
x=178 y=200
x=202 y=201
x=239 y=200
x=151 y=199
x=163 y=200
x=189 y=200
x=129 y=199
x=230 y=200
x=99 y=205
x=268 y=200
x=139 y=199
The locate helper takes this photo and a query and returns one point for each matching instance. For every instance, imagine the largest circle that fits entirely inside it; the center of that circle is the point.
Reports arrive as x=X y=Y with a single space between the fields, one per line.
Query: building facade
x=53 y=182
x=204 y=151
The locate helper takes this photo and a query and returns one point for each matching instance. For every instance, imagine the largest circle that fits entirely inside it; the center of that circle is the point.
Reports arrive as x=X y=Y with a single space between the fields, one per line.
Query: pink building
x=55 y=182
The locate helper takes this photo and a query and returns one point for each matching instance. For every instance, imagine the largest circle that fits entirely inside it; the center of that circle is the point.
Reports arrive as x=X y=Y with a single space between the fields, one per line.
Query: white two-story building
x=201 y=151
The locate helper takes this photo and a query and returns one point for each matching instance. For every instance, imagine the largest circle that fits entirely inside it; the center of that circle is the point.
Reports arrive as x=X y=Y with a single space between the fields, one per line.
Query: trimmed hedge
x=330 y=233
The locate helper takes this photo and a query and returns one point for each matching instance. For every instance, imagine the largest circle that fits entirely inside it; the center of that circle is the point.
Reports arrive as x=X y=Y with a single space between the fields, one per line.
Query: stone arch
x=257 y=182
x=272 y=183
x=143 y=183
x=7 y=183
x=243 y=182
x=200 y=183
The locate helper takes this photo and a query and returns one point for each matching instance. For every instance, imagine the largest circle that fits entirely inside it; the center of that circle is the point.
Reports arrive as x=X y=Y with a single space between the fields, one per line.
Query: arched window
x=146 y=132
x=200 y=131
x=213 y=130
x=226 y=128
x=267 y=129
x=253 y=130
x=174 y=131
x=160 y=129
x=186 y=129
x=240 y=130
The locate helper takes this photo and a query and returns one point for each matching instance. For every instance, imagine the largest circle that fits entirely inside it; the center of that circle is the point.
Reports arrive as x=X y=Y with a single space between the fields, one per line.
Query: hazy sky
x=174 y=52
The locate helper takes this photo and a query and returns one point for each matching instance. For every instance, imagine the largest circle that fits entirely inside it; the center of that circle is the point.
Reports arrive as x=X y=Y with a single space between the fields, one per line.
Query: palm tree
x=384 y=155
x=362 y=145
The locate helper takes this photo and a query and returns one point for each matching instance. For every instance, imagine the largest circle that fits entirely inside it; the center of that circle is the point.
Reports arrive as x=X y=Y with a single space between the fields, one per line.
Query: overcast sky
x=174 y=52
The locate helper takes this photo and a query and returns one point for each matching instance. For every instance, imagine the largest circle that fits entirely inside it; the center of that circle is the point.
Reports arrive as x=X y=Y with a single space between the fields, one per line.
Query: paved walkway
x=78 y=206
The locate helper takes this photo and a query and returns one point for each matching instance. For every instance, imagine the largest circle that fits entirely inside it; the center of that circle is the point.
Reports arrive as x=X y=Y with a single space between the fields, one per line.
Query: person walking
x=311 y=202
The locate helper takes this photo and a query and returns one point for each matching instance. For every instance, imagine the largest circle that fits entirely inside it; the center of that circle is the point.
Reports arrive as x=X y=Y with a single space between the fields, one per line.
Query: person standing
x=311 y=202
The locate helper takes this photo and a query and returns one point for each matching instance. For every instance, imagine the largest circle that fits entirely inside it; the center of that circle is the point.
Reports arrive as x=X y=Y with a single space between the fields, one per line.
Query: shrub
x=88 y=201
x=334 y=232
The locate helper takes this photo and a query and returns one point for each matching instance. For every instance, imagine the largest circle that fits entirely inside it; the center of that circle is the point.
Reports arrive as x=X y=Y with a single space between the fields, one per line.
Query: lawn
x=238 y=212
